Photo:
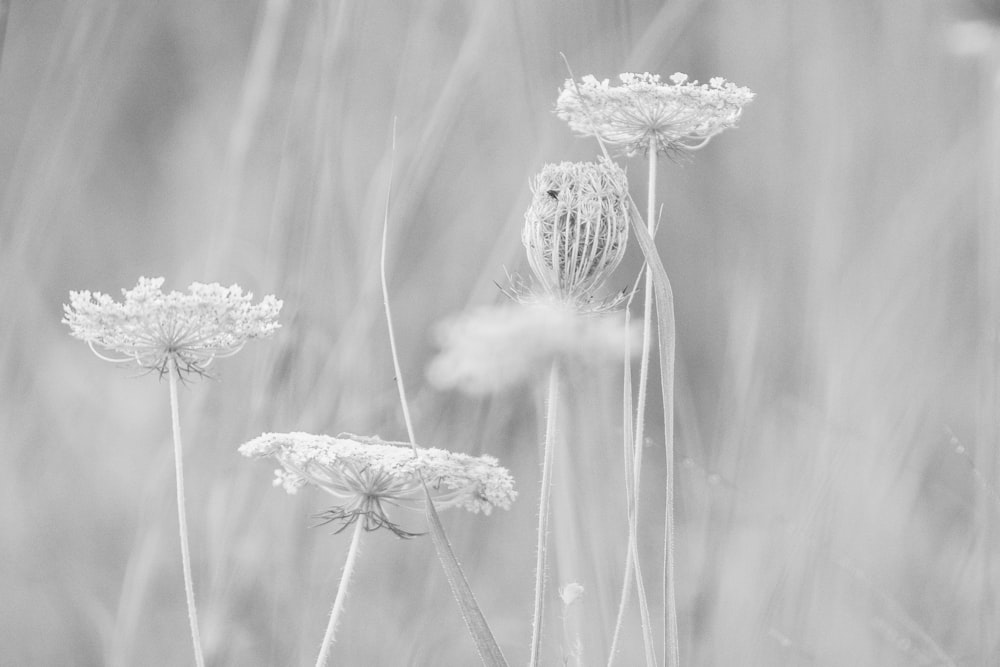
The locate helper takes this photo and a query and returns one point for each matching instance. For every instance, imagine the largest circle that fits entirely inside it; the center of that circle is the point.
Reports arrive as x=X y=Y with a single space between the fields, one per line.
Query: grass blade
x=486 y=644
x=667 y=344
x=475 y=621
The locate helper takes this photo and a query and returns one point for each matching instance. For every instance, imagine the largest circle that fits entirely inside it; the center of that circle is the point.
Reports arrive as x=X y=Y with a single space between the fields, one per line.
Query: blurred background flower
x=492 y=348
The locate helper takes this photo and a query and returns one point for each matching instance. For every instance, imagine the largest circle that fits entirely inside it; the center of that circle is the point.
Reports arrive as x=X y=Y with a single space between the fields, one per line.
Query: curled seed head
x=576 y=228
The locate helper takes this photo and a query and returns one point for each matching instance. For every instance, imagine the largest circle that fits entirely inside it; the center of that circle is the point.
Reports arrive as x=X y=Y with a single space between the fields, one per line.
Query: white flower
x=492 y=348
x=152 y=329
x=366 y=474
x=576 y=228
x=680 y=115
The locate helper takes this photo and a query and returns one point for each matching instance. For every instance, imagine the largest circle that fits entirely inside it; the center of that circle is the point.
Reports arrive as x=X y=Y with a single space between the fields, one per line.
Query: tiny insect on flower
x=576 y=228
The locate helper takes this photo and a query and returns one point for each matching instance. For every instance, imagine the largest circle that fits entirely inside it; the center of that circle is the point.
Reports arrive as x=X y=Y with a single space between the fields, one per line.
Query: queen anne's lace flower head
x=576 y=228
x=366 y=474
x=680 y=115
x=153 y=329
x=493 y=348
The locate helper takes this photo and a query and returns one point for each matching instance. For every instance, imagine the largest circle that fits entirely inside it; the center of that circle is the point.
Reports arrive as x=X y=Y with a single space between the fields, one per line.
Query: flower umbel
x=576 y=228
x=680 y=115
x=367 y=474
x=151 y=328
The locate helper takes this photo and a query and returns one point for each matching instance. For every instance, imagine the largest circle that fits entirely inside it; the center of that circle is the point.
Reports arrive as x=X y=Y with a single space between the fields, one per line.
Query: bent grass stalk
x=548 y=455
x=666 y=336
x=631 y=501
x=338 y=602
x=175 y=424
x=486 y=644
x=628 y=455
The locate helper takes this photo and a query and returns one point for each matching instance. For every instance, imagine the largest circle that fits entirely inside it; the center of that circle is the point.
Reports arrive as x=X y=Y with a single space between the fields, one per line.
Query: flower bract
x=154 y=330
x=367 y=474
x=645 y=111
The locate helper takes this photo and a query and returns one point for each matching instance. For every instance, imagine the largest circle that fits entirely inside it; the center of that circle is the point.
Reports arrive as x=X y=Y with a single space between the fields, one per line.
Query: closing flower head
x=574 y=234
x=576 y=228
x=367 y=474
x=675 y=116
x=155 y=330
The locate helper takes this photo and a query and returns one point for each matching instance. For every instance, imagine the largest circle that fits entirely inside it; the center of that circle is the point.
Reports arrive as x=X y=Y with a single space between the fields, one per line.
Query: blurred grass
x=824 y=259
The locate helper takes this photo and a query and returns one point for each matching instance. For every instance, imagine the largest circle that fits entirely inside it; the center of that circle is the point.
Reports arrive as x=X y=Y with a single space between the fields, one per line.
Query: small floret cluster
x=155 y=330
x=366 y=473
x=644 y=111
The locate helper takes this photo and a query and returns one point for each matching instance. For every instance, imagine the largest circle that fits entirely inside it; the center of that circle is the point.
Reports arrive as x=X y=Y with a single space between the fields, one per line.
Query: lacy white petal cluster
x=576 y=228
x=152 y=329
x=493 y=348
x=366 y=473
x=680 y=115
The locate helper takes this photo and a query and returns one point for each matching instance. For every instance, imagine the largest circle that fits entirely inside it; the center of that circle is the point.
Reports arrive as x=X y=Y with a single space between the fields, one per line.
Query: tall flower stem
x=338 y=603
x=671 y=645
x=640 y=408
x=544 y=511
x=175 y=422
x=631 y=499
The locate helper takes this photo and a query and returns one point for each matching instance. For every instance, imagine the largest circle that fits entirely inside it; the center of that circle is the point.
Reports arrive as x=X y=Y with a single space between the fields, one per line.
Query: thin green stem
x=622 y=604
x=175 y=422
x=544 y=511
x=338 y=603
x=400 y=386
x=629 y=467
x=640 y=416
x=671 y=648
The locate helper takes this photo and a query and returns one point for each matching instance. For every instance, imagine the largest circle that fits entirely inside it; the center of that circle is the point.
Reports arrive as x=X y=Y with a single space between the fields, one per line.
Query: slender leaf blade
x=486 y=643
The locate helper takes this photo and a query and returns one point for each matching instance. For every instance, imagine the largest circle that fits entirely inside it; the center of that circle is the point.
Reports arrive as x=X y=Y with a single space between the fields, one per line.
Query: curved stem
x=486 y=643
x=338 y=603
x=175 y=423
x=543 y=512
x=622 y=604
x=629 y=468
x=670 y=636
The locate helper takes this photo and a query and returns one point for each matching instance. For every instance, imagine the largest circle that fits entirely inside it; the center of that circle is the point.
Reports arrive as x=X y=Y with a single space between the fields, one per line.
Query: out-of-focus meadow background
x=834 y=261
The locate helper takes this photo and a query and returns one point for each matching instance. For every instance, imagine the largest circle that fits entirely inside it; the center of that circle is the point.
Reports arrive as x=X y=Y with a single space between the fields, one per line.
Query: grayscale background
x=835 y=261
